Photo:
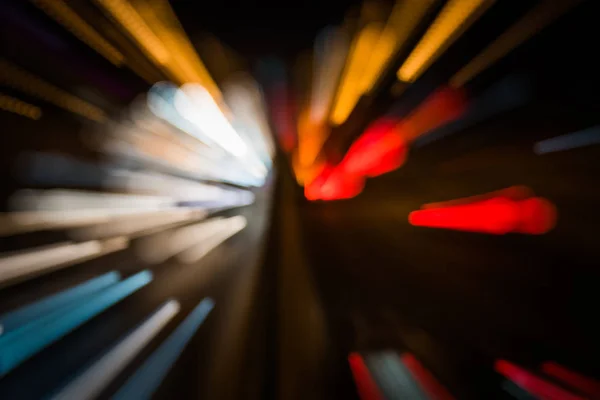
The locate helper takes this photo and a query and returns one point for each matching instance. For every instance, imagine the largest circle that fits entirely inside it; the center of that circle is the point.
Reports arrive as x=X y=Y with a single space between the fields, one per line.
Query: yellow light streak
x=453 y=20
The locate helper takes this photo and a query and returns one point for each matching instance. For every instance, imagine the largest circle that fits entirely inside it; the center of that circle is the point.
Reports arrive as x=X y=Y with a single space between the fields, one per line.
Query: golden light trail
x=156 y=29
x=453 y=20
x=135 y=25
x=350 y=86
x=404 y=18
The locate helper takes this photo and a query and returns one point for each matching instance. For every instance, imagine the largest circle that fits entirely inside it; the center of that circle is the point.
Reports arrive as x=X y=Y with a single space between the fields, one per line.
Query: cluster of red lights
x=383 y=147
x=555 y=382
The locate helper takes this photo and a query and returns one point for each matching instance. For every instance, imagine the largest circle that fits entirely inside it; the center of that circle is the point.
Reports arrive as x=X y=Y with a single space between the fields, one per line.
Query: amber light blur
x=351 y=85
x=496 y=215
x=455 y=17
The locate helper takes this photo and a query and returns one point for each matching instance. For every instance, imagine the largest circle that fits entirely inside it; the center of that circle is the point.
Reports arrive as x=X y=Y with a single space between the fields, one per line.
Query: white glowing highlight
x=196 y=105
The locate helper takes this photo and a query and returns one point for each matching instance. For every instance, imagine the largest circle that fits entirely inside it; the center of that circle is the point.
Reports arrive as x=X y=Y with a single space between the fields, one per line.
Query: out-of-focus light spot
x=351 y=86
x=16 y=106
x=195 y=104
x=586 y=137
x=63 y=14
x=19 y=79
x=583 y=384
x=426 y=380
x=378 y=150
x=496 y=215
x=453 y=20
x=532 y=383
x=366 y=386
x=543 y=14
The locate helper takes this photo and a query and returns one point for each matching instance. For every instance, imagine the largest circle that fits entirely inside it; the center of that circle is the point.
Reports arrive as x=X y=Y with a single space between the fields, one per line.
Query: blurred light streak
x=19 y=345
x=40 y=260
x=513 y=193
x=497 y=215
x=245 y=99
x=157 y=31
x=532 y=383
x=27 y=221
x=586 y=137
x=383 y=147
x=312 y=190
x=184 y=63
x=378 y=150
x=134 y=24
x=144 y=382
x=160 y=138
x=16 y=106
x=333 y=183
x=64 y=15
x=72 y=200
x=231 y=226
x=441 y=107
x=160 y=247
x=90 y=383
x=23 y=315
x=331 y=48
x=195 y=104
x=392 y=377
x=452 y=21
x=505 y=95
x=365 y=385
x=404 y=18
x=311 y=137
x=426 y=380
x=583 y=384
x=139 y=225
x=17 y=78
x=350 y=87
x=542 y=15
